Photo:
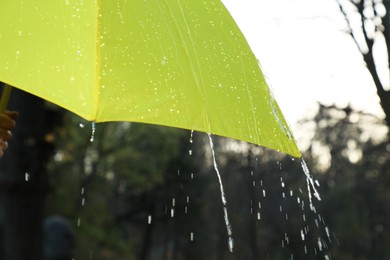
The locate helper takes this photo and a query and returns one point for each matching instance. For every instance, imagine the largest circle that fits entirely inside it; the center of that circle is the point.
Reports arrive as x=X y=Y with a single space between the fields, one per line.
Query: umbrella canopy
x=179 y=63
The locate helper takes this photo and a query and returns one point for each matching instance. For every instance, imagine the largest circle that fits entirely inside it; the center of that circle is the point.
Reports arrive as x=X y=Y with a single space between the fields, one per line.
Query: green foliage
x=150 y=193
x=356 y=181
x=110 y=187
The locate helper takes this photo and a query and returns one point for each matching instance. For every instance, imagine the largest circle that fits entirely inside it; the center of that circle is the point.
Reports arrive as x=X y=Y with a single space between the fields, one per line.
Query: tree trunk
x=383 y=94
x=23 y=180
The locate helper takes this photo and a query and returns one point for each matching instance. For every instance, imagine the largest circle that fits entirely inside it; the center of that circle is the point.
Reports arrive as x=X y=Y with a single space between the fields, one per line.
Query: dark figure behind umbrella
x=59 y=241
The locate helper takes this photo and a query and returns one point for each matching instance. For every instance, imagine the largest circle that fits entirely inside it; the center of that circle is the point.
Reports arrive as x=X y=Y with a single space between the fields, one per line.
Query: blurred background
x=148 y=192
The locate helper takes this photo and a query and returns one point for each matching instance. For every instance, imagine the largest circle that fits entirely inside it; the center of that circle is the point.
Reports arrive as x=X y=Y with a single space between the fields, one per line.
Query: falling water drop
x=231 y=243
x=81 y=125
x=286 y=238
x=319 y=244
x=302 y=235
x=192 y=236
x=93 y=125
x=27 y=176
x=327 y=233
x=223 y=198
x=191 y=137
x=149 y=219
x=173 y=207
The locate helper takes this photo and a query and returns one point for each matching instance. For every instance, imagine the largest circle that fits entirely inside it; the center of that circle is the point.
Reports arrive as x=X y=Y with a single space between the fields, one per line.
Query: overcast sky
x=305 y=54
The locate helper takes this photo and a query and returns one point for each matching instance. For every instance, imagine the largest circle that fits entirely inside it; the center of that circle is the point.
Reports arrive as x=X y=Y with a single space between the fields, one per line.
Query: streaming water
x=223 y=197
x=93 y=126
x=311 y=185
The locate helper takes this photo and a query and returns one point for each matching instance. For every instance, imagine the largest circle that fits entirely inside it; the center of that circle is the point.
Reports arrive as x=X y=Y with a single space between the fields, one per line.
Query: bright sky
x=306 y=55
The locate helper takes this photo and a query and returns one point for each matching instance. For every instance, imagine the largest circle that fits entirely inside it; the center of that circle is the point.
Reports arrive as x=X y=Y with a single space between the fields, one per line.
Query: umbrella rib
x=250 y=101
x=198 y=78
x=96 y=83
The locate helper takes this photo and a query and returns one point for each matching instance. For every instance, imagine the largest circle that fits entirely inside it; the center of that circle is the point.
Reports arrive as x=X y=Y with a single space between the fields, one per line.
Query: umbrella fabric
x=179 y=63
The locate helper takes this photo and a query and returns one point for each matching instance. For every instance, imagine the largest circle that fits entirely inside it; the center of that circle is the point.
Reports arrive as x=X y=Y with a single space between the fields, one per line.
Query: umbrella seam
x=198 y=78
x=96 y=84
x=250 y=101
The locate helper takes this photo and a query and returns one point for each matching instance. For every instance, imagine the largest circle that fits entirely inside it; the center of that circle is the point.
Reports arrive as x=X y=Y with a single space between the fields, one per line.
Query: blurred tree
x=356 y=180
x=147 y=192
x=369 y=25
x=125 y=190
x=23 y=178
x=269 y=205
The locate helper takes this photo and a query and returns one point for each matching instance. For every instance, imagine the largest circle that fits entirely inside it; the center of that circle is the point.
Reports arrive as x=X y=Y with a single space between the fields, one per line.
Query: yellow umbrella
x=180 y=63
